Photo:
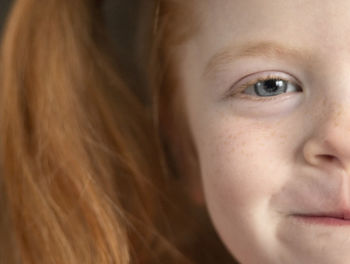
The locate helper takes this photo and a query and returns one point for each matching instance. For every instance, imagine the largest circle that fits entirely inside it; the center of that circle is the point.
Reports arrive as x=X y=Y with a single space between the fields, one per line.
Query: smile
x=331 y=219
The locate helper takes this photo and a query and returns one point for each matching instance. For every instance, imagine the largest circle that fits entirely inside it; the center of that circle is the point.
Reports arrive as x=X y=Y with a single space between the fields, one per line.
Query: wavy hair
x=88 y=173
x=80 y=176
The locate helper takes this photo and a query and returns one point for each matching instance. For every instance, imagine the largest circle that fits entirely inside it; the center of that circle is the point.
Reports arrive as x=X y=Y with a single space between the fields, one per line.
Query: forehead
x=318 y=29
x=300 y=22
x=259 y=13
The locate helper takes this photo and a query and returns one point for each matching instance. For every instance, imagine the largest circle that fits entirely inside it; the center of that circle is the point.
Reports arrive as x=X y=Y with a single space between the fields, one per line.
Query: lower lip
x=324 y=220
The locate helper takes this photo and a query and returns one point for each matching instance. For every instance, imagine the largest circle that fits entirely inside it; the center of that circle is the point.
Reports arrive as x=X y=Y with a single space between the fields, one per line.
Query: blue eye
x=270 y=87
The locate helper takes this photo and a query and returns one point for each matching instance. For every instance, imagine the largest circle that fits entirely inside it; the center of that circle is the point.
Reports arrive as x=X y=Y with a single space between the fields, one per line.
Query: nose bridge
x=330 y=105
x=335 y=116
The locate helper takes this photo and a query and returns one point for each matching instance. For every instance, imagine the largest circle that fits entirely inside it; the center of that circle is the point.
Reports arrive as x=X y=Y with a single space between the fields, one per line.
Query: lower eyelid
x=280 y=97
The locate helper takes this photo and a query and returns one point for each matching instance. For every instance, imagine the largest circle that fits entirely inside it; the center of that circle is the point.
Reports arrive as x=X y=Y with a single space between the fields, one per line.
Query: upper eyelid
x=264 y=75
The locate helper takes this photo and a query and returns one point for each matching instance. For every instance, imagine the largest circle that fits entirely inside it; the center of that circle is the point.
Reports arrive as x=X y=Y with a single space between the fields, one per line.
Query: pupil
x=270 y=87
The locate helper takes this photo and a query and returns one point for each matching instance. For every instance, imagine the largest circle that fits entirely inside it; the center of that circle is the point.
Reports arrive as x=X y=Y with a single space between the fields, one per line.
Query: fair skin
x=275 y=168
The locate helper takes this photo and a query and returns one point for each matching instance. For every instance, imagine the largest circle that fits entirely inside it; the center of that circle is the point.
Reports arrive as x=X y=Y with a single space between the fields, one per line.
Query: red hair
x=175 y=22
x=81 y=174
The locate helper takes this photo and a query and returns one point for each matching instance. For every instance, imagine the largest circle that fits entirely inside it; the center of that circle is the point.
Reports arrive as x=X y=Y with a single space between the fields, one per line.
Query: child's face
x=274 y=154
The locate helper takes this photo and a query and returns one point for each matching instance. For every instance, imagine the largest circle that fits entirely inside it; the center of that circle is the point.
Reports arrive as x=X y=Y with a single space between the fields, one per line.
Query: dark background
x=4 y=5
x=129 y=36
x=122 y=17
x=129 y=23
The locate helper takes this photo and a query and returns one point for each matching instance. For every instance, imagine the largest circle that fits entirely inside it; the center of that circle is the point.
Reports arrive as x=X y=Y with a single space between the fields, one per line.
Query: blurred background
x=129 y=23
x=4 y=6
x=127 y=33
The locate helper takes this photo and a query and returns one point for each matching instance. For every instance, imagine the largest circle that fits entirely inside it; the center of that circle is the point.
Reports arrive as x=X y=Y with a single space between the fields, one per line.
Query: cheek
x=240 y=163
x=243 y=164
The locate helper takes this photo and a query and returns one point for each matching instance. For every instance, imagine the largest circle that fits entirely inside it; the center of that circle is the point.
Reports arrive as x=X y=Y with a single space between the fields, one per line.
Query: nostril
x=324 y=153
x=327 y=158
x=330 y=160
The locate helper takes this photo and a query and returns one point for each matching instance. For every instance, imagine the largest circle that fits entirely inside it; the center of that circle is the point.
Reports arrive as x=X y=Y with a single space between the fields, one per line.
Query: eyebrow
x=265 y=49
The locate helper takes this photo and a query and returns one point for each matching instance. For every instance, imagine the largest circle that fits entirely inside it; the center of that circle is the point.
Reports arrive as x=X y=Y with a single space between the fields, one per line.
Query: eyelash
x=246 y=85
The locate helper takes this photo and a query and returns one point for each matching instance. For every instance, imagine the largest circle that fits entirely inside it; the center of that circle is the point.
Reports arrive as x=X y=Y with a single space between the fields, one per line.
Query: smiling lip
x=341 y=218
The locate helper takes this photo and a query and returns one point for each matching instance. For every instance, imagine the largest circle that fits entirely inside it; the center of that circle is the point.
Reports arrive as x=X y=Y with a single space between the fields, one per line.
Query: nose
x=329 y=144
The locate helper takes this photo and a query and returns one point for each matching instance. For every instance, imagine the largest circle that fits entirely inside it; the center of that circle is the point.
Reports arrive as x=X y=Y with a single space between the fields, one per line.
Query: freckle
x=273 y=133
x=283 y=136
